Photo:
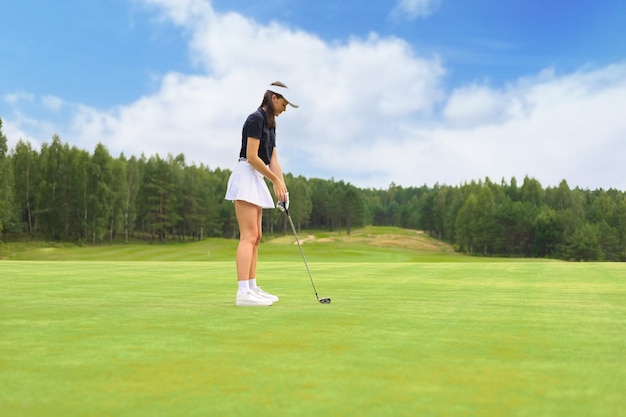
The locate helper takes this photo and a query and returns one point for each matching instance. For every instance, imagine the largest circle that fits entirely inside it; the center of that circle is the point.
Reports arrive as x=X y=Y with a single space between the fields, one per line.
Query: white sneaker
x=250 y=299
x=258 y=291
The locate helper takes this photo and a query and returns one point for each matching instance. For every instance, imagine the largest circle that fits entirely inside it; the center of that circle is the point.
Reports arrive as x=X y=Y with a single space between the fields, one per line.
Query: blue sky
x=406 y=91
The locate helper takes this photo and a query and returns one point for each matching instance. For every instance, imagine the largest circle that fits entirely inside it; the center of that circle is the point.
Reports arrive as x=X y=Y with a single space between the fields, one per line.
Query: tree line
x=62 y=193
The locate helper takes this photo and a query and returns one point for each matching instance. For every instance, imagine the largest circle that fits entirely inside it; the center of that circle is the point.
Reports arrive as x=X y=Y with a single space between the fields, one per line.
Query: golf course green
x=413 y=329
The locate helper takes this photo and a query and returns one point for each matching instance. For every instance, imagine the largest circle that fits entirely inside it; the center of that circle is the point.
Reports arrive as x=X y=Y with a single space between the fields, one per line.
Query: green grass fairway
x=96 y=338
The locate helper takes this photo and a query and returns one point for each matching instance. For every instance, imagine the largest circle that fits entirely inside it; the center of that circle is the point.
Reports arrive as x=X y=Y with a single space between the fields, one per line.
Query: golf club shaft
x=302 y=252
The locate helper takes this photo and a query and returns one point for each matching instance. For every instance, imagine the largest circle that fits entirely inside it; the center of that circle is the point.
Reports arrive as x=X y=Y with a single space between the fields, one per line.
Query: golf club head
x=325 y=300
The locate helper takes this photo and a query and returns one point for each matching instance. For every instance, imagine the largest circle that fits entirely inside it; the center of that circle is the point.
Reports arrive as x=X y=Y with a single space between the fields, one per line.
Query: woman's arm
x=275 y=166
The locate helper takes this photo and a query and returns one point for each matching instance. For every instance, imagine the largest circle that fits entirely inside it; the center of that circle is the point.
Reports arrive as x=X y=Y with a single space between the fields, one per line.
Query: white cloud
x=18 y=97
x=341 y=88
x=549 y=127
x=14 y=133
x=190 y=114
x=412 y=9
x=52 y=103
x=182 y=12
x=372 y=111
x=475 y=105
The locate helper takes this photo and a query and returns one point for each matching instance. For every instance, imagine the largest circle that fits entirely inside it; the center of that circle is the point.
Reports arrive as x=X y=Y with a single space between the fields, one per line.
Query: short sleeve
x=254 y=126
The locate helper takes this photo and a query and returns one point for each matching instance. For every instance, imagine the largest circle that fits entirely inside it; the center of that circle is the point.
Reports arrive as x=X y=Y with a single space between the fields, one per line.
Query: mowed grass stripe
x=401 y=339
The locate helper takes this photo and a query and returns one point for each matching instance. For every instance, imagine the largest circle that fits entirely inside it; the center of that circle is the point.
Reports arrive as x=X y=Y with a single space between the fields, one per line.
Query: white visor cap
x=284 y=92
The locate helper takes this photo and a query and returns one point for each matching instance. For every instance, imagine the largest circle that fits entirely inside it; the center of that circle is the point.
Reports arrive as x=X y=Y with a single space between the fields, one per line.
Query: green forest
x=61 y=193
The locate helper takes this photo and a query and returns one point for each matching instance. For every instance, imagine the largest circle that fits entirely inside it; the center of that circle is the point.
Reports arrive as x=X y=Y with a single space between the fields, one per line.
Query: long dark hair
x=266 y=104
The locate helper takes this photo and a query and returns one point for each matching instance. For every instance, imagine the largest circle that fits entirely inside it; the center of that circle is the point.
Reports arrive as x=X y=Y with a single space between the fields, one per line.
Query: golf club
x=284 y=206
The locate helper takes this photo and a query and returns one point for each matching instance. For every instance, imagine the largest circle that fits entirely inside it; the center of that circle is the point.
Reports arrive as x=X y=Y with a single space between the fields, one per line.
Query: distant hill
x=383 y=237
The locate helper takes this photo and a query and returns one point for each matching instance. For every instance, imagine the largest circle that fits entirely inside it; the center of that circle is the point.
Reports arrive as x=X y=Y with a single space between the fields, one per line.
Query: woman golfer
x=247 y=188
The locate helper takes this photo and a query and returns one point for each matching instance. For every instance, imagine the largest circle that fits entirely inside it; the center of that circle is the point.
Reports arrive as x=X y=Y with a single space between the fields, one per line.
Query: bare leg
x=249 y=220
x=255 y=253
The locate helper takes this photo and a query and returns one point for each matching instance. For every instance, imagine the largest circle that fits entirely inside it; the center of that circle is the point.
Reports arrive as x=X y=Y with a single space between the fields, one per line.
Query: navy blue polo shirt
x=255 y=126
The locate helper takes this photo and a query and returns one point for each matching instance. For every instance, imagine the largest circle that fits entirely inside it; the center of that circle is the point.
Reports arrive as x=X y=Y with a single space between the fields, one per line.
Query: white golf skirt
x=248 y=184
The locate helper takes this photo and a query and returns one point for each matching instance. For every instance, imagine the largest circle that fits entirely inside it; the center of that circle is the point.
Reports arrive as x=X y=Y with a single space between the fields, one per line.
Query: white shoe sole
x=253 y=303
x=252 y=300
